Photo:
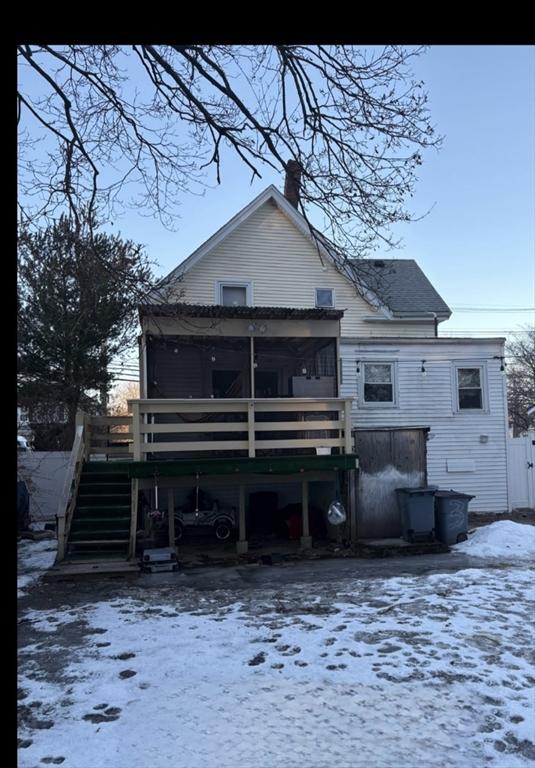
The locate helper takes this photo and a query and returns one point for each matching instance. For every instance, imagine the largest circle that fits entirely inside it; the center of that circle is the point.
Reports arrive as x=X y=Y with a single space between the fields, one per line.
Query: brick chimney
x=292 y=182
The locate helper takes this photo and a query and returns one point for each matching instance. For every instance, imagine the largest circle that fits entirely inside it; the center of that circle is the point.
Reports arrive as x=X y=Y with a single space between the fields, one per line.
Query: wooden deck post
x=338 y=367
x=242 y=545
x=133 y=519
x=81 y=421
x=352 y=502
x=306 y=538
x=61 y=538
x=348 y=448
x=250 y=428
x=251 y=365
x=171 y=515
x=136 y=435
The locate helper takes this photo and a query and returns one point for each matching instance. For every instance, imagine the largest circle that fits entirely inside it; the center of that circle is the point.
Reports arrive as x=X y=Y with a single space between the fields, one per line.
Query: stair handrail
x=67 y=499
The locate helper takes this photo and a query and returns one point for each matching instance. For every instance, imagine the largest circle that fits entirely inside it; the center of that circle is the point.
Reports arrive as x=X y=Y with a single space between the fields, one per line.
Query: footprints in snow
x=106 y=715
x=126 y=673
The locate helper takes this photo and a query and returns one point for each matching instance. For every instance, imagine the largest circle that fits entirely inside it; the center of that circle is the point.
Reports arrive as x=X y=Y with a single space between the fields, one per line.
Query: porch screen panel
x=295 y=367
x=198 y=367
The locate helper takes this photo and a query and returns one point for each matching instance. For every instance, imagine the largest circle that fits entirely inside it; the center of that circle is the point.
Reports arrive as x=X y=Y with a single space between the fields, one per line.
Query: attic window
x=325 y=298
x=234 y=294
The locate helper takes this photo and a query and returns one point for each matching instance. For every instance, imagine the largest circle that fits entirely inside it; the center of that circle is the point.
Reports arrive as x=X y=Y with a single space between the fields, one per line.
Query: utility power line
x=493 y=309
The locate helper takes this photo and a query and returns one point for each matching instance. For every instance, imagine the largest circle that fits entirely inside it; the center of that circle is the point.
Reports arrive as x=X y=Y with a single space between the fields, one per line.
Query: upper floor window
x=470 y=388
x=325 y=298
x=378 y=379
x=234 y=294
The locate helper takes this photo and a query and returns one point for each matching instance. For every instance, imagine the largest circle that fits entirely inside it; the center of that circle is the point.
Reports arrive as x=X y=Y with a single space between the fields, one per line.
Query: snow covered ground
x=428 y=670
x=34 y=558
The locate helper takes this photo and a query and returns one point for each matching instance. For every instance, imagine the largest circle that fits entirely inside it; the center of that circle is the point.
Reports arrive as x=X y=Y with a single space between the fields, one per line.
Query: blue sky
x=477 y=245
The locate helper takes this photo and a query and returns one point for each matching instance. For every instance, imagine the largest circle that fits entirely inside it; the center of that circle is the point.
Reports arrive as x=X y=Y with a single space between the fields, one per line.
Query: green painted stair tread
x=103 y=468
x=102 y=540
x=102 y=478
x=115 y=497
x=122 y=528
x=87 y=509
x=88 y=528
x=105 y=486
x=106 y=521
x=102 y=554
x=92 y=488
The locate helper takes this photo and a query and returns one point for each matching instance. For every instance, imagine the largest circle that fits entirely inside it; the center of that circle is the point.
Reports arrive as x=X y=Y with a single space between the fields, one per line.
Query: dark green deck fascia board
x=272 y=465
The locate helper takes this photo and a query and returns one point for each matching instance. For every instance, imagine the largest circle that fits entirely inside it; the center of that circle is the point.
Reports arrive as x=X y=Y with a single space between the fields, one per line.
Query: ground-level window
x=469 y=388
x=378 y=382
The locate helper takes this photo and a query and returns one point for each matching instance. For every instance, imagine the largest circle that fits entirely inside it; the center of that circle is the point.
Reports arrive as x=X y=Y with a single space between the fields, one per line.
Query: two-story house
x=260 y=361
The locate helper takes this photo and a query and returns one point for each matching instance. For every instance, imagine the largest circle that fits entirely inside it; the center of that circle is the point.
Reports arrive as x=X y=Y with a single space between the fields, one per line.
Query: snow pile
x=34 y=557
x=503 y=539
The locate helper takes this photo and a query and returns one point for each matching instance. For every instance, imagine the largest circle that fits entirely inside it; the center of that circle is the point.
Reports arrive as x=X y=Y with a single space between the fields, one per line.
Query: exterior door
x=388 y=459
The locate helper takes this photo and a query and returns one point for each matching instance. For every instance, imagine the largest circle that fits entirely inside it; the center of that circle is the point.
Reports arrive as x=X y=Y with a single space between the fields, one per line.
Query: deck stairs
x=100 y=524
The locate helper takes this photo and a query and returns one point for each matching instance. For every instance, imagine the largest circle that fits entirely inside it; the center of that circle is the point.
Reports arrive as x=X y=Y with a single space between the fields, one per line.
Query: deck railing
x=251 y=427
x=67 y=499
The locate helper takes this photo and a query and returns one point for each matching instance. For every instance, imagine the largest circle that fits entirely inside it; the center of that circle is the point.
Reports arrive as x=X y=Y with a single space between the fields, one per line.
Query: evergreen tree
x=77 y=299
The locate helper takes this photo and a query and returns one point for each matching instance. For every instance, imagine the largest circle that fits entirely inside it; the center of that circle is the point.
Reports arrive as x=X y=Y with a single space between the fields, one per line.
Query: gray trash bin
x=417 y=512
x=451 y=516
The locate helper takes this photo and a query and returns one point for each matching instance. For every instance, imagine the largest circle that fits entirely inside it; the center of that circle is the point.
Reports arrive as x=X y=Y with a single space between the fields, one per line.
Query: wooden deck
x=250 y=427
x=177 y=438
x=272 y=465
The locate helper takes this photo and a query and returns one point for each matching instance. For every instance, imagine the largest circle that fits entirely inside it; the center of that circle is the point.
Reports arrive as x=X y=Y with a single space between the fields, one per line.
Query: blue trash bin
x=417 y=512
x=451 y=516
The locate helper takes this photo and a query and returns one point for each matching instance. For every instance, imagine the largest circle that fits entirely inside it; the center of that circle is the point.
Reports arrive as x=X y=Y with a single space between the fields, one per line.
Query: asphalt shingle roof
x=403 y=287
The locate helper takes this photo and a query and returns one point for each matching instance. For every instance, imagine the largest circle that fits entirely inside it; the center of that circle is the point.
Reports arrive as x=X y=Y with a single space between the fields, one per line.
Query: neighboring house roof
x=260 y=313
x=404 y=291
x=403 y=287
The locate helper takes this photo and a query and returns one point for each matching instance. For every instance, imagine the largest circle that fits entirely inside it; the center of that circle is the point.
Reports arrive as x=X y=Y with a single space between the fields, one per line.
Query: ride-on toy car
x=201 y=514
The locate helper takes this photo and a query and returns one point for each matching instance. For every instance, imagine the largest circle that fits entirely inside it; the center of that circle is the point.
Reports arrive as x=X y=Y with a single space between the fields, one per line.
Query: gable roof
x=416 y=299
x=405 y=289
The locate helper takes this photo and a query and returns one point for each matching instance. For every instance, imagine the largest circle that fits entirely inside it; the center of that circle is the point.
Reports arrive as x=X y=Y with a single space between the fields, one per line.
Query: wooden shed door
x=388 y=459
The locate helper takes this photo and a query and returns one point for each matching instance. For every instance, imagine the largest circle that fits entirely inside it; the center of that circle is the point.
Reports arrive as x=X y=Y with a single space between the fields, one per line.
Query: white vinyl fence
x=44 y=473
x=521 y=470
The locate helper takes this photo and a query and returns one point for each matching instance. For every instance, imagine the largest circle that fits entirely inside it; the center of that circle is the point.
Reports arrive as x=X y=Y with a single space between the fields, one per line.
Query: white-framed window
x=325 y=298
x=378 y=383
x=470 y=387
x=234 y=293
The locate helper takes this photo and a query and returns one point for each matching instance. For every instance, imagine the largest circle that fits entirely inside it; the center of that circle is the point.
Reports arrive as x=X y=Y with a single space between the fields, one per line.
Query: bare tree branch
x=144 y=124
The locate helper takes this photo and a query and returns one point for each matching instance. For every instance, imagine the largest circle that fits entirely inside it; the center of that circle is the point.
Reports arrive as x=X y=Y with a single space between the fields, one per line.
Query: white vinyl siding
x=467 y=449
x=269 y=250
